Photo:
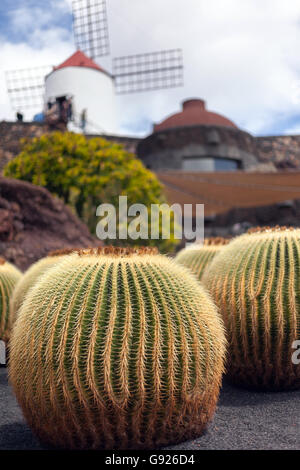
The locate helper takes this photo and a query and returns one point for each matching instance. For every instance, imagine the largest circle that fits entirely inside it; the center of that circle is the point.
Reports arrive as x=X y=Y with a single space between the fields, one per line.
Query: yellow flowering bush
x=87 y=172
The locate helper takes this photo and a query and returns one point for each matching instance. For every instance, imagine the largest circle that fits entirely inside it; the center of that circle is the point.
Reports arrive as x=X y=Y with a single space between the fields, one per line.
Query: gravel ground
x=244 y=420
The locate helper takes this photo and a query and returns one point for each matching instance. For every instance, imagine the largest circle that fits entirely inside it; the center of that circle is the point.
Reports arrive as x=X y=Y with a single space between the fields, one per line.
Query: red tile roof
x=79 y=59
x=193 y=113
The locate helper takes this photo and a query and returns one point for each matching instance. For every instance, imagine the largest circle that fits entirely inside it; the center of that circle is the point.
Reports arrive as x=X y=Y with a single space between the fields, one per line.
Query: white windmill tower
x=91 y=89
x=82 y=81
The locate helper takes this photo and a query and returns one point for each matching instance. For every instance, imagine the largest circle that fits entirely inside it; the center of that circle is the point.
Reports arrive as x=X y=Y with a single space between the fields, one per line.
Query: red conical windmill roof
x=79 y=59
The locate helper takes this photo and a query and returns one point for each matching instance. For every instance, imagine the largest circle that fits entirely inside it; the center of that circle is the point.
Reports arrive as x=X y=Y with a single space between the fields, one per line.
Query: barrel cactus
x=116 y=348
x=9 y=276
x=198 y=256
x=35 y=271
x=255 y=281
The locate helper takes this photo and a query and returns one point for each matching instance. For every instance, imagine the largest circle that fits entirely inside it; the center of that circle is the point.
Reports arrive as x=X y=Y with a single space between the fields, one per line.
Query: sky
x=242 y=57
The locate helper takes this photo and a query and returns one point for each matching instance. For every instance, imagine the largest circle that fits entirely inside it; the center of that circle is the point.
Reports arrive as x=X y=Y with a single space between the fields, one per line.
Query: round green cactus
x=32 y=274
x=255 y=283
x=9 y=276
x=117 y=349
x=198 y=256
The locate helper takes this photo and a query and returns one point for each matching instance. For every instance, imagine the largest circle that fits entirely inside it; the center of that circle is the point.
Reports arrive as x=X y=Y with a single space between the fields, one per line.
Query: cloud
x=47 y=43
x=18 y=56
x=241 y=57
x=23 y=18
x=293 y=130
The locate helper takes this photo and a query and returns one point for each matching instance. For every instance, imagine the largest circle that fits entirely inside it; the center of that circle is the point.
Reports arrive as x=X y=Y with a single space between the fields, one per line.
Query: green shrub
x=87 y=172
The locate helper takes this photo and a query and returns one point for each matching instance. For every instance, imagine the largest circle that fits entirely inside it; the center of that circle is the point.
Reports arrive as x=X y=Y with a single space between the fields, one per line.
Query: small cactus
x=117 y=349
x=197 y=257
x=32 y=274
x=9 y=276
x=255 y=281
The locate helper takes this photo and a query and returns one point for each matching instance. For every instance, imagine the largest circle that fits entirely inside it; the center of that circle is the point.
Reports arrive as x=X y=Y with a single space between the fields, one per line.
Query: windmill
x=33 y=87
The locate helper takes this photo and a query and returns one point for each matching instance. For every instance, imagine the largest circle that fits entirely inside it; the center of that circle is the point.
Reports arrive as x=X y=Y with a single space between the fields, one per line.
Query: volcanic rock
x=33 y=222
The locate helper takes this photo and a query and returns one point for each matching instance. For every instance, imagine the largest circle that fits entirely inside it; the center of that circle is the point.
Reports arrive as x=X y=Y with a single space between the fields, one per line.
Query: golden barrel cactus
x=117 y=349
x=9 y=276
x=32 y=274
x=198 y=256
x=255 y=281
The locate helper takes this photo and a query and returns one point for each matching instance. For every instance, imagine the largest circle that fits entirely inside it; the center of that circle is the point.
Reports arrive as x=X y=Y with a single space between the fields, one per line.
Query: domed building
x=196 y=139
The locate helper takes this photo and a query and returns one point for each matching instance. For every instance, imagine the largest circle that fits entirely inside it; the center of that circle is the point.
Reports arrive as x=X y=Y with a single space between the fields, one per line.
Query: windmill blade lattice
x=26 y=87
x=146 y=72
x=90 y=27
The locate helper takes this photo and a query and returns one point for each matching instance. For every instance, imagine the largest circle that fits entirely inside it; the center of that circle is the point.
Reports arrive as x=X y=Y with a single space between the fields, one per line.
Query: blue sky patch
x=18 y=20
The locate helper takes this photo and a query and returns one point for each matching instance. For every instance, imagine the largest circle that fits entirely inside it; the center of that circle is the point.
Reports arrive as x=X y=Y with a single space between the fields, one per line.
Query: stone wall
x=166 y=149
x=129 y=143
x=239 y=219
x=283 y=151
x=11 y=134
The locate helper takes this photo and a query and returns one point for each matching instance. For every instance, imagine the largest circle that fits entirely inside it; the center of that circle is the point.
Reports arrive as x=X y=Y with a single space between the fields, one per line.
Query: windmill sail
x=90 y=27
x=26 y=87
x=146 y=72
x=131 y=74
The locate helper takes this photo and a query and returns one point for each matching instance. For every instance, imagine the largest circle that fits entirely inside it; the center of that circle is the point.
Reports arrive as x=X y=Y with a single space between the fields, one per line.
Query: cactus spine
x=117 y=349
x=32 y=274
x=197 y=257
x=255 y=282
x=9 y=276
